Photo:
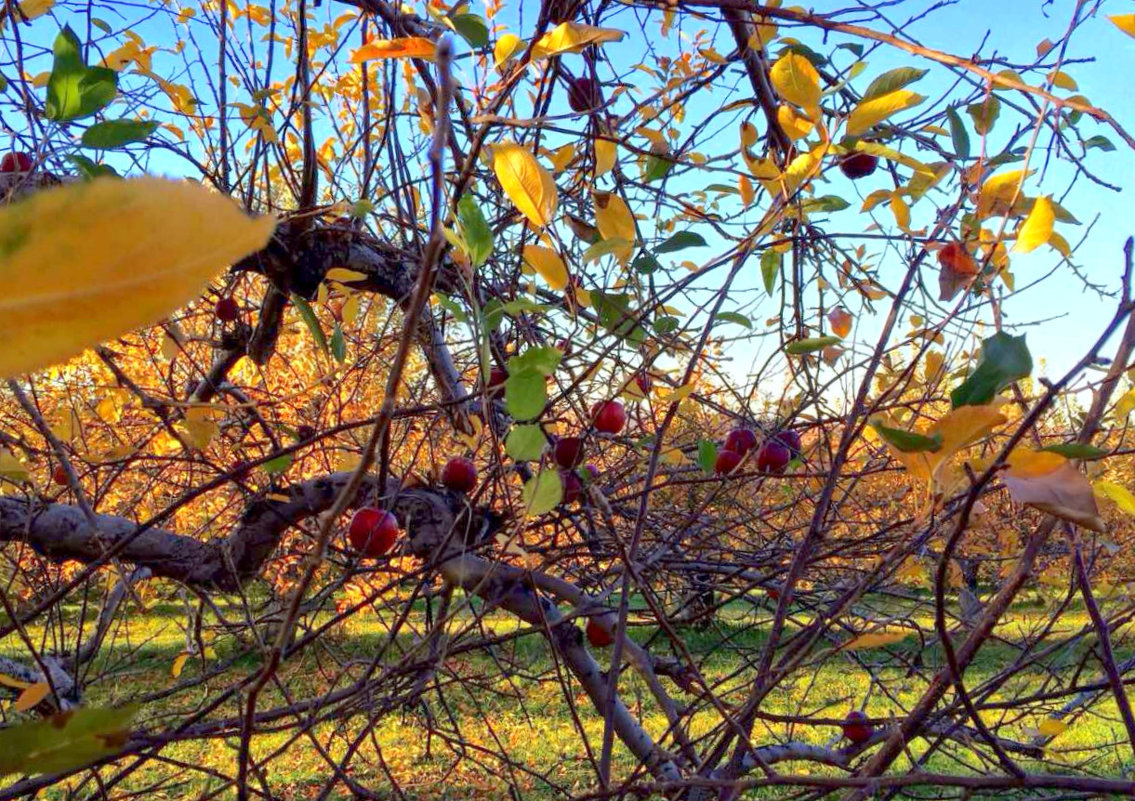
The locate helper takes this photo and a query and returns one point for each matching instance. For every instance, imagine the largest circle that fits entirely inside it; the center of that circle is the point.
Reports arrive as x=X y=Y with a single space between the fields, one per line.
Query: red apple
x=568 y=452
x=727 y=462
x=16 y=162
x=305 y=432
x=609 y=416
x=583 y=95
x=774 y=594
x=644 y=381
x=459 y=474
x=497 y=377
x=573 y=486
x=791 y=440
x=598 y=635
x=227 y=310
x=59 y=475
x=773 y=457
x=373 y=532
x=856 y=728
x=741 y=441
x=858 y=165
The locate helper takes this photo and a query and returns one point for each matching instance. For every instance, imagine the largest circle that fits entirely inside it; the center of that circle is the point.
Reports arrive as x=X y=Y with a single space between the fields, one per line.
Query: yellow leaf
x=796 y=80
x=1037 y=228
x=123 y=254
x=200 y=427
x=1051 y=727
x=873 y=111
x=745 y=188
x=548 y=264
x=343 y=275
x=1125 y=22
x=614 y=219
x=1121 y=495
x=673 y=457
x=406 y=47
x=793 y=124
x=30 y=697
x=562 y=157
x=901 y=211
x=178 y=664
x=679 y=393
x=748 y=134
x=11 y=467
x=997 y=192
x=1048 y=482
x=875 y=639
x=1063 y=80
x=606 y=153
x=528 y=185
x=505 y=48
x=30 y=9
x=573 y=37
x=14 y=683
x=958 y=428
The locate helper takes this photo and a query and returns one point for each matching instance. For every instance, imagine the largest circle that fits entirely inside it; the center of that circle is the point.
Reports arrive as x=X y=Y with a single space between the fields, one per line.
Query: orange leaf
x=30 y=697
x=406 y=47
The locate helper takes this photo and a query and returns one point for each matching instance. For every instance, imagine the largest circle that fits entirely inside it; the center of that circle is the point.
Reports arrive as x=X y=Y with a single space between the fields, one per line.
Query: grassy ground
x=530 y=719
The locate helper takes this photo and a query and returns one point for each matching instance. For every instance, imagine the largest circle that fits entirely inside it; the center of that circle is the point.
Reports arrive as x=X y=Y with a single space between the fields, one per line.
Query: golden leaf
x=793 y=124
x=14 y=683
x=1121 y=495
x=840 y=320
x=746 y=190
x=505 y=48
x=122 y=254
x=343 y=275
x=679 y=393
x=1048 y=482
x=1125 y=22
x=548 y=264
x=998 y=190
x=178 y=664
x=606 y=153
x=796 y=80
x=573 y=37
x=1051 y=727
x=614 y=219
x=871 y=112
x=30 y=697
x=528 y=185
x=875 y=639
x=1036 y=230
x=406 y=47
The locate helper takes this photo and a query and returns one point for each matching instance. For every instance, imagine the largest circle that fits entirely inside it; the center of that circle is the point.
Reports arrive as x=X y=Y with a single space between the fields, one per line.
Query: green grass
x=529 y=719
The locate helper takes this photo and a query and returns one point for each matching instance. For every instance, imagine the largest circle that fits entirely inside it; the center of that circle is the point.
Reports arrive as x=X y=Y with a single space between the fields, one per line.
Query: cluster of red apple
x=772 y=457
x=16 y=162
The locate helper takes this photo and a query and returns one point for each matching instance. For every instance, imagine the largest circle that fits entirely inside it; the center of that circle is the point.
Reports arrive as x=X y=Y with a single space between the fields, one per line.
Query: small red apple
x=609 y=416
x=774 y=594
x=305 y=432
x=858 y=165
x=16 y=162
x=856 y=728
x=727 y=462
x=568 y=452
x=573 y=486
x=459 y=474
x=583 y=95
x=773 y=457
x=373 y=532
x=791 y=440
x=597 y=634
x=59 y=475
x=227 y=310
x=497 y=377
x=741 y=441
x=645 y=382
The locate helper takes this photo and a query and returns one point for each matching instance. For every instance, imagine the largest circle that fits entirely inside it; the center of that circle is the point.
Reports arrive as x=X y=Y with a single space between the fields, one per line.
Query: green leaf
x=604 y=247
x=984 y=114
x=338 y=344
x=908 y=441
x=514 y=308
x=64 y=741
x=311 y=321
x=681 y=241
x=958 y=133
x=102 y=25
x=279 y=465
x=1004 y=359
x=75 y=90
x=645 y=264
x=3 y=83
x=543 y=359
x=543 y=492
x=472 y=29
x=475 y=230
x=891 y=80
x=116 y=133
x=617 y=316
x=655 y=168
x=666 y=325
x=89 y=169
x=525 y=394
x=734 y=317
x=810 y=345
x=707 y=456
x=770 y=269
x=525 y=443
x=1077 y=450
x=825 y=203
x=1099 y=141
x=451 y=306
